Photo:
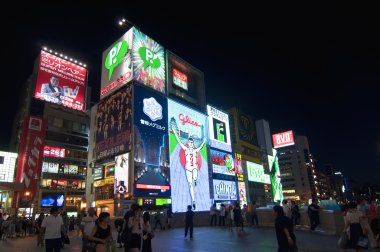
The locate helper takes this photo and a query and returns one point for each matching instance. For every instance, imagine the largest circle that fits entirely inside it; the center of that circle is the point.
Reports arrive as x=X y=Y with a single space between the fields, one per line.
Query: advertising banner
x=61 y=82
x=219 y=129
x=239 y=167
x=152 y=171
x=30 y=159
x=256 y=173
x=148 y=61
x=114 y=124
x=224 y=190
x=50 y=167
x=222 y=162
x=242 y=194
x=117 y=68
x=121 y=173
x=188 y=158
x=283 y=139
x=54 y=152
x=180 y=79
x=274 y=170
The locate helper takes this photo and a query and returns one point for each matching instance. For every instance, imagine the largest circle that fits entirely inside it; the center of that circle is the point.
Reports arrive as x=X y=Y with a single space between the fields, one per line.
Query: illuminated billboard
x=283 y=139
x=117 y=68
x=222 y=162
x=114 y=124
x=7 y=166
x=256 y=173
x=224 y=190
x=274 y=170
x=98 y=173
x=180 y=79
x=247 y=128
x=239 y=167
x=242 y=194
x=50 y=167
x=54 y=152
x=121 y=173
x=148 y=61
x=188 y=158
x=61 y=82
x=152 y=171
x=219 y=129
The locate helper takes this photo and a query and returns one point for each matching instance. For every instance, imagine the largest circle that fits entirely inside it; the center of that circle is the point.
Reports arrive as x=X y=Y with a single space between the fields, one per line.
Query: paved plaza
x=205 y=239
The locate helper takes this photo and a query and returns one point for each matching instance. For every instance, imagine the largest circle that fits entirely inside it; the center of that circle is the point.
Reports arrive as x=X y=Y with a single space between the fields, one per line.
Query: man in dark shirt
x=189 y=221
x=284 y=231
x=313 y=212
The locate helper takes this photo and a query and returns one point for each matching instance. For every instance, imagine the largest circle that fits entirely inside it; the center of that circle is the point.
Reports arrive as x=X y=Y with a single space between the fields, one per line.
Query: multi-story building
x=7 y=184
x=323 y=185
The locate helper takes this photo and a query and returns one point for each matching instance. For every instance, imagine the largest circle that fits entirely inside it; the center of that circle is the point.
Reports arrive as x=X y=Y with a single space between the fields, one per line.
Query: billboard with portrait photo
x=121 y=173
x=188 y=158
x=151 y=145
x=114 y=124
x=61 y=82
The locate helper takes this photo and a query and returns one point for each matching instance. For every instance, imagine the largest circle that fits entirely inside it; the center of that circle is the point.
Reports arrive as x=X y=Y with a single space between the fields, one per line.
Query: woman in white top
x=136 y=223
x=147 y=234
x=353 y=222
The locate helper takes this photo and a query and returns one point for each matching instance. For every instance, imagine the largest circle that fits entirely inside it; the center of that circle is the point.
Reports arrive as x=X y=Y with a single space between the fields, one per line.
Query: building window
x=1 y=159
x=58 y=122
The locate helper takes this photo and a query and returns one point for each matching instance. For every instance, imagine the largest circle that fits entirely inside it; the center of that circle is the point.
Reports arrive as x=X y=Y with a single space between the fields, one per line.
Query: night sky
x=313 y=69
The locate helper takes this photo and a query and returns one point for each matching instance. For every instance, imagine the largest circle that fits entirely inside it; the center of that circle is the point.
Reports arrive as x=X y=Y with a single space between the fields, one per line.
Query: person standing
x=253 y=213
x=295 y=213
x=238 y=218
x=353 y=222
x=286 y=239
x=86 y=226
x=287 y=209
x=119 y=229
x=169 y=215
x=222 y=215
x=365 y=221
x=374 y=218
x=213 y=215
x=40 y=240
x=101 y=232
x=313 y=212
x=52 y=226
x=135 y=224
x=147 y=234
x=189 y=222
x=157 y=220
x=230 y=217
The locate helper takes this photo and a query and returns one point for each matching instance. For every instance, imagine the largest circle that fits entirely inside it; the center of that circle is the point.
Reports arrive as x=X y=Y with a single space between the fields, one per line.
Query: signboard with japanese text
x=239 y=167
x=56 y=152
x=188 y=158
x=219 y=129
x=151 y=159
x=114 y=124
x=61 y=82
x=180 y=79
x=224 y=190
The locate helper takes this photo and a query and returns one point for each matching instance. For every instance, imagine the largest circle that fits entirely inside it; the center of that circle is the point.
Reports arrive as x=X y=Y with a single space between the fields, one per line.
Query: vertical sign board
x=240 y=178
x=188 y=158
x=121 y=174
x=152 y=172
x=114 y=124
x=219 y=129
x=61 y=82
x=274 y=170
x=30 y=159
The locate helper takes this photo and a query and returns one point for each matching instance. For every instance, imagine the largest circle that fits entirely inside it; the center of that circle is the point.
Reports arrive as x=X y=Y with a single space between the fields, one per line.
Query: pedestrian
x=362 y=206
x=1 y=226
x=119 y=229
x=66 y=223
x=189 y=222
x=40 y=240
x=169 y=215
x=286 y=239
x=222 y=215
x=51 y=227
x=72 y=223
x=295 y=213
x=101 y=232
x=244 y=213
x=354 y=224
x=374 y=218
x=157 y=220
x=126 y=233
x=238 y=218
x=86 y=227
x=313 y=212
x=287 y=209
x=230 y=217
x=147 y=234
x=135 y=224
x=213 y=214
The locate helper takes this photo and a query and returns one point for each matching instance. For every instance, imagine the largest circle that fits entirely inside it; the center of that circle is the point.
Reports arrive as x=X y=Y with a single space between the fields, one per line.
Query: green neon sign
x=115 y=55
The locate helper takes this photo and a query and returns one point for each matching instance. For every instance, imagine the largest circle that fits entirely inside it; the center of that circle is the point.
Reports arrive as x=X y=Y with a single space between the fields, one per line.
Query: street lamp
x=124 y=22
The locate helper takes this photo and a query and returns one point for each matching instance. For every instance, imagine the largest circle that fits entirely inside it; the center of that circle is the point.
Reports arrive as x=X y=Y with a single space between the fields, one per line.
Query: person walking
x=40 y=240
x=238 y=218
x=135 y=224
x=313 y=212
x=286 y=239
x=222 y=215
x=51 y=227
x=213 y=213
x=119 y=229
x=169 y=215
x=230 y=217
x=101 y=232
x=362 y=205
x=86 y=227
x=189 y=222
x=295 y=213
x=157 y=220
x=353 y=223
x=147 y=234
x=287 y=209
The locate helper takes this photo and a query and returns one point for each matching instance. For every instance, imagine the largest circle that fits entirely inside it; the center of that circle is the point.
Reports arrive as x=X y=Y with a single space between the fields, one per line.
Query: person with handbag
x=101 y=233
x=354 y=223
x=147 y=234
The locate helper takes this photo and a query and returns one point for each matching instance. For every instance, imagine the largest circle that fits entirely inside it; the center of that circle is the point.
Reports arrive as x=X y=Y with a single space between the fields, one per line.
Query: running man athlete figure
x=191 y=153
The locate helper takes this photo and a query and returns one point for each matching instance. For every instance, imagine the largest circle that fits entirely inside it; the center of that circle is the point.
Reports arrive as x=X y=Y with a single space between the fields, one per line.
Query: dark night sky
x=313 y=69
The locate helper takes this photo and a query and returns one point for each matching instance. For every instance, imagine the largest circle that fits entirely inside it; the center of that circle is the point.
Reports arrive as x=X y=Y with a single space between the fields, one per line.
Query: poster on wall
x=275 y=178
x=188 y=158
x=152 y=171
x=219 y=129
x=222 y=162
x=61 y=82
x=242 y=194
x=121 y=173
x=224 y=190
x=148 y=61
x=114 y=124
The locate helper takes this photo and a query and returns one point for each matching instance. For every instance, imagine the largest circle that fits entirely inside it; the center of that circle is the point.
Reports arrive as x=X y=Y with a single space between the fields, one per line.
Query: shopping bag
x=363 y=242
x=343 y=240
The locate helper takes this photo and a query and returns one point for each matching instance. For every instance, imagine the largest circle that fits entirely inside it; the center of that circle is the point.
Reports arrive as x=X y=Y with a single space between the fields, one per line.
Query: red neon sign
x=54 y=152
x=283 y=139
x=156 y=187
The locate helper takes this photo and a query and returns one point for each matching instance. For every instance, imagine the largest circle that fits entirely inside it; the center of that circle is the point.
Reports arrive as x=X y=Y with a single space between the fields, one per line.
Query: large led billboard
x=219 y=129
x=152 y=172
x=224 y=190
x=114 y=124
x=256 y=173
x=61 y=82
x=222 y=162
x=121 y=173
x=117 y=68
x=148 y=61
x=283 y=139
x=274 y=170
x=188 y=158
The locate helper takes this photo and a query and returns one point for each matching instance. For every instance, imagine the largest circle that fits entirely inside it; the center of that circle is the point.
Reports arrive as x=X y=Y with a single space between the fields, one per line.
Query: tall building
x=51 y=131
x=7 y=178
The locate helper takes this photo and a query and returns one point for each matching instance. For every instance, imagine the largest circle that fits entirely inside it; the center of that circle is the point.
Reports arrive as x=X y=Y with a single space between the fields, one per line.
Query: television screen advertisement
x=222 y=162
x=242 y=194
x=29 y=164
x=256 y=173
x=188 y=158
x=274 y=170
x=114 y=124
x=148 y=61
x=121 y=173
x=239 y=167
x=61 y=82
x=219 y=129
x=224 y=190
x=151 y=159
x=117 y=68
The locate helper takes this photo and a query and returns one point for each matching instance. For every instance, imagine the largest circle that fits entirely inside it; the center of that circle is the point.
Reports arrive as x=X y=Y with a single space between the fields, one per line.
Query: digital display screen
x=121 y=173
x=256 y=173
x=222 y=162
x=54 y=152
x=224 y=190
x=50 y=200
x=274 y=170
x=219 y=129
